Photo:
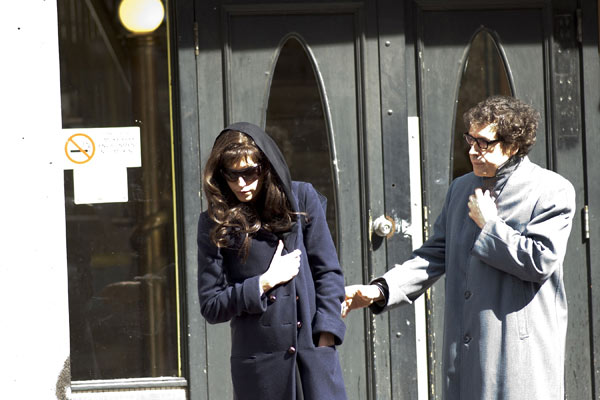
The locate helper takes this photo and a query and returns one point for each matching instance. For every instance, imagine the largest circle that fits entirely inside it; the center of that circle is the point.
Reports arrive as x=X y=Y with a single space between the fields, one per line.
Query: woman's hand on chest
x=281 y=270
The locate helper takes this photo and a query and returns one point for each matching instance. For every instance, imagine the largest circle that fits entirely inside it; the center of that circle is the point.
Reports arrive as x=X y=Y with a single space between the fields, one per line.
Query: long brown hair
x=235 y=220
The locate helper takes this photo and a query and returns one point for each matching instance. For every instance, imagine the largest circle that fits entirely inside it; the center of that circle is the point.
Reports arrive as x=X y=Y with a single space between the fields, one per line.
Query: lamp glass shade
x=141 y=16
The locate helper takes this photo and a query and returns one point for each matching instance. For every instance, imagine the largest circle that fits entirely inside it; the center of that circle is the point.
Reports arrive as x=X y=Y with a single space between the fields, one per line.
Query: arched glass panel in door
x=484 y=74
x=296 y=119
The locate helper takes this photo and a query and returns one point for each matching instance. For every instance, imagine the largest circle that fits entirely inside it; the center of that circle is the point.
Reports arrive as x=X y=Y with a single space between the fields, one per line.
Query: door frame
x=590 y=69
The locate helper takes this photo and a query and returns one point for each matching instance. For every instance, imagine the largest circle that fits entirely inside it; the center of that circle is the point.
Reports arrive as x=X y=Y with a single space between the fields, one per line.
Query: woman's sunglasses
x=249 y=174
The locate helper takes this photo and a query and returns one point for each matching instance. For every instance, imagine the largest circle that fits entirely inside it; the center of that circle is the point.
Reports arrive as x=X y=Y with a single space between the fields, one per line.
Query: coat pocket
x=321 y=373
x=522 y=317
x=266 y=376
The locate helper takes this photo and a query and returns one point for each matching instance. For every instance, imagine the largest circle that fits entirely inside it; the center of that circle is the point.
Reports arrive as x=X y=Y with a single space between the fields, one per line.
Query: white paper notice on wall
x=100 y=185
x=99 y=158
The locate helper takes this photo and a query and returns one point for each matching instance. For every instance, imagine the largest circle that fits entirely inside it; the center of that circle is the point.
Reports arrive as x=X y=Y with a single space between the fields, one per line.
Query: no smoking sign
x=80 y=148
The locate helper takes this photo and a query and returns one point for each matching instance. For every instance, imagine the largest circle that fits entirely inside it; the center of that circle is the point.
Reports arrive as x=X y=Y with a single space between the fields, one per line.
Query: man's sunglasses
x=481 y=143
x=249 y=174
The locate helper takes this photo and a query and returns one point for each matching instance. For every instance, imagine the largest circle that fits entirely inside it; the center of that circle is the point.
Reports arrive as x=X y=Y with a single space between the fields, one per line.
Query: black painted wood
x=188 y=189
x=443 y=40
x=206 y=99
x=394 y=115
x=590 y=84
x=238 y=43
x=559 y=147
x=567 y=152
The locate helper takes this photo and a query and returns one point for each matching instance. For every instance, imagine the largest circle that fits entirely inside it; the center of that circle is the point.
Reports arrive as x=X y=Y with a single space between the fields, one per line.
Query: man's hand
x=482 y=207
x=282 y=268
x=360 y=296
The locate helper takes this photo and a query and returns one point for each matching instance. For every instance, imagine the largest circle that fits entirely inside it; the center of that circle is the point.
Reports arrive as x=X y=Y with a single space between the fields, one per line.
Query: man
x=500 y=239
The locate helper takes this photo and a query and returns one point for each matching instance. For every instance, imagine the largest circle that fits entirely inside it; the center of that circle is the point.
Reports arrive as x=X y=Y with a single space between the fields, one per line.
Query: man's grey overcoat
x=275 y=334
x=505 y=306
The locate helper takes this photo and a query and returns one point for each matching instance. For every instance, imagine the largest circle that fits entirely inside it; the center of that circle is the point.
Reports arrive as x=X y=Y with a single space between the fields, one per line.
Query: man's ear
x=510 y=149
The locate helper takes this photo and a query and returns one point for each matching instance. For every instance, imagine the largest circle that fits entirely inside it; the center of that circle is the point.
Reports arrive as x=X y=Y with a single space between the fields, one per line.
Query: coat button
x=272 y=298
x=297 y=298
x=467 y=295
x=299 y=324
x=467 y=339
x=291 y=350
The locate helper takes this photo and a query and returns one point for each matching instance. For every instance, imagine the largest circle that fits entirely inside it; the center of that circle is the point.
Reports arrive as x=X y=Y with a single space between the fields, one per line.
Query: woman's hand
x=282 y=268
x=326 y=339
x=360 y=296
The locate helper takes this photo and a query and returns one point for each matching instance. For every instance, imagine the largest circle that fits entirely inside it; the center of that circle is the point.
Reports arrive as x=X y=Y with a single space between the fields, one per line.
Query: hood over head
x=271 y=151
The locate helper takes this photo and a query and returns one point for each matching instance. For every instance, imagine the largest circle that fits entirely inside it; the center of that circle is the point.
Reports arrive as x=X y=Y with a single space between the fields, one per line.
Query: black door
x=303 y=72
x=340 y=85
x=463 y=57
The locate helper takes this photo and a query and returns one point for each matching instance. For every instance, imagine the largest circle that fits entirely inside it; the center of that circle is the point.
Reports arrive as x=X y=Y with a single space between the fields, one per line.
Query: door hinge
x=579 y=25
x=196 y=40
x=586 y=223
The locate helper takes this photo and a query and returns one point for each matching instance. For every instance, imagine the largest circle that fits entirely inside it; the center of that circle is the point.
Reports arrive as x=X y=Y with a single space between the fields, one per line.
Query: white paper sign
x=100 y=185
x=99 y=158
x=99 y=147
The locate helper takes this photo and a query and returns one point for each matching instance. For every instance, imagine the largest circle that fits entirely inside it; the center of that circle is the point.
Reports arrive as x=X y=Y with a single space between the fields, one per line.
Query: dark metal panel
x=374 y=263
x=372 y=191
x=211 y=109
x=397 y=186
x=434 y=297
x=185 y=97
x=567 y=151
x=590 y=81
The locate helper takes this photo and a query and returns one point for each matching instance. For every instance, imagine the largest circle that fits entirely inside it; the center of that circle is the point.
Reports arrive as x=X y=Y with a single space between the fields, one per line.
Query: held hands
x=482 y=207
x=282 y=269
x=360 y=296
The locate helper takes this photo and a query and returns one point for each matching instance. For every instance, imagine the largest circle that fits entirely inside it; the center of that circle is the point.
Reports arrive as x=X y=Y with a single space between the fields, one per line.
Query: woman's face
x=244 y=179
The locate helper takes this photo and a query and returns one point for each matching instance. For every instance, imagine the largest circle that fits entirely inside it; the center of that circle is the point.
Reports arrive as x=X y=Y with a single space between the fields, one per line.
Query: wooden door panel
x=251 y=39
x=445 y=41
x=444 y=38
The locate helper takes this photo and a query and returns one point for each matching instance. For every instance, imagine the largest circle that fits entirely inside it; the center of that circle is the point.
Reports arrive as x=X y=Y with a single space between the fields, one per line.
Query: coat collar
x=496 y=183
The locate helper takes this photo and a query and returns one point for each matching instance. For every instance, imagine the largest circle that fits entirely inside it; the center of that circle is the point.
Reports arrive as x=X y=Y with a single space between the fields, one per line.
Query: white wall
x=34 y=334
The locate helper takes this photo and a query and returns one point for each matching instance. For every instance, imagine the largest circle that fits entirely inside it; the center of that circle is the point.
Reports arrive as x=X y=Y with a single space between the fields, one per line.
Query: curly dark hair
x=236 y=220
x=516 y=121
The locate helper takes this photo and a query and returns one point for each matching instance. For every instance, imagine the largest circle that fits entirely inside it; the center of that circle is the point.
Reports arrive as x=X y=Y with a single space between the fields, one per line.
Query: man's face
x=486 y=161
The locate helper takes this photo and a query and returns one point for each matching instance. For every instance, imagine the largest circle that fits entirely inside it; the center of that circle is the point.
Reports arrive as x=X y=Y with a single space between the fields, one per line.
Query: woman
x=267 y=263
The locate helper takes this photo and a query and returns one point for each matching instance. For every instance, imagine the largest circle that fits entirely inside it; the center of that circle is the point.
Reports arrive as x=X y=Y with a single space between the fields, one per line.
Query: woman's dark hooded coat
x=273 y=333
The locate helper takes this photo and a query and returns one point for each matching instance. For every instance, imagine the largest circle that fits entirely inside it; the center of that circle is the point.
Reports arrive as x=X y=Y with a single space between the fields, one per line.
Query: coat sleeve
x=534 y=254
x=326 y=270
x=407 y=281
x=220 y=300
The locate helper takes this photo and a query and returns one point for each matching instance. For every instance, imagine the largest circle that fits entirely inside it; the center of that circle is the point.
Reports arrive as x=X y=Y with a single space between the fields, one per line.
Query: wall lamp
x=141 y=16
